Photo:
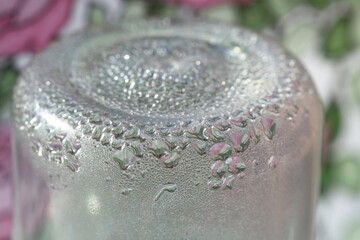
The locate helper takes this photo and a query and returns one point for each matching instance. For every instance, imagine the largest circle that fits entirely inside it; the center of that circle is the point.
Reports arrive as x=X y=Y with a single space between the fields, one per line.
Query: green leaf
x=326 y=177
x=353 y=231
x=159 y=8
x=224 y=12
x=319 y=3
x=283 y=6
x=356 y=87
x=97 y=14
x=338 y=39
x=8 y=77
x=257 y=14
x=346 y=173
x=334 y=119
x=342 y=172
x=134 y=9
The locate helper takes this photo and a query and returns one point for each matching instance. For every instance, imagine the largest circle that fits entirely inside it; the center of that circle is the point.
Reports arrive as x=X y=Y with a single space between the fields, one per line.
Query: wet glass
x=166 y=129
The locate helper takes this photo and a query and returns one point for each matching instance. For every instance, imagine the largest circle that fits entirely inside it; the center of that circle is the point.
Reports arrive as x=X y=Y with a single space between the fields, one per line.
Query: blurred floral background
x=323 y=34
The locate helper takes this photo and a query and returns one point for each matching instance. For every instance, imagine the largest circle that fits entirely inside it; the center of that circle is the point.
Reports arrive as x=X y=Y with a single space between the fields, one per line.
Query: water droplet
x=269 y=126
x=149 y=131
x=255 y=163
x=240 y=141
x=214 y=183
x=254 y=133
x=241 y=175
x=55 y=157
x=272 y=162
x=136 y=148
x=117 y=143
x=213 y=119
x=124 y=158
x=68 y=146
x=107 y=122
x=36 y=146
x=132 y=133
x=215 y=135
x=71 y=161
x=158 y=148
x=126 y=191
x=219 y=151
x=235 y=164
x=239 y=121
x=183 y=143
x=178 y=132
x=96 y=133
x=228 y=181
x=273 y=108
x=250 y=115
x=55 y=145
x=142 y=173
x=218 y=169
x=118 y=130
x=128 y=175
x=95 y=119
x=222 y=125
x=170 y=160
x=197 y=132
x=76 y=145
x=171 y=142
x=87 y=130
x=60 y=133
x=200 y=147
x=164 y=132
x=168 y=188
x=105 y=138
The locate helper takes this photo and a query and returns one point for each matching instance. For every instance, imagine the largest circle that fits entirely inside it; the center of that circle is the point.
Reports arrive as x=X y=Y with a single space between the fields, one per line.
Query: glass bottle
x=166 y=129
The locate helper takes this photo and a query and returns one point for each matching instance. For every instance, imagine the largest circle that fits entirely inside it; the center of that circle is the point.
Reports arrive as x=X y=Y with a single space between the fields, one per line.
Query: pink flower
x=34 y=195
x=199 y=4
x=29 y=25
x=5 y=183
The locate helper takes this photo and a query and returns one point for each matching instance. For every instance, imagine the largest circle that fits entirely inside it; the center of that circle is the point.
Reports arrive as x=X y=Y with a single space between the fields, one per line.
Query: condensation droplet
x=239 y=121
x=269 y=127
x=228 y=181
x=219 y=151
x=235 y=164
x=136 y=147
x=126 y=191
x=170 y=160
x=124 y=158
x=97 y=131
x=197 y=132
x=171 y=142
x=254 y=134
x=71 y=161
x=222 y=125
x=214 y=183
x=167 y=188
x=218 y=169
x=158 y=148
x=272 y=162
x=200 y=147
x=215 y=135
x=240 y=141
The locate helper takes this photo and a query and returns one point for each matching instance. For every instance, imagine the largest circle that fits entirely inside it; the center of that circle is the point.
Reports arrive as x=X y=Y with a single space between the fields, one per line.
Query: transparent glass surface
x=166 y=129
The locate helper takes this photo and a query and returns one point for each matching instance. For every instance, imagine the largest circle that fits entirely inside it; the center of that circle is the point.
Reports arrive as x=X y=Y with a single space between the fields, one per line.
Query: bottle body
x=89 y=172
